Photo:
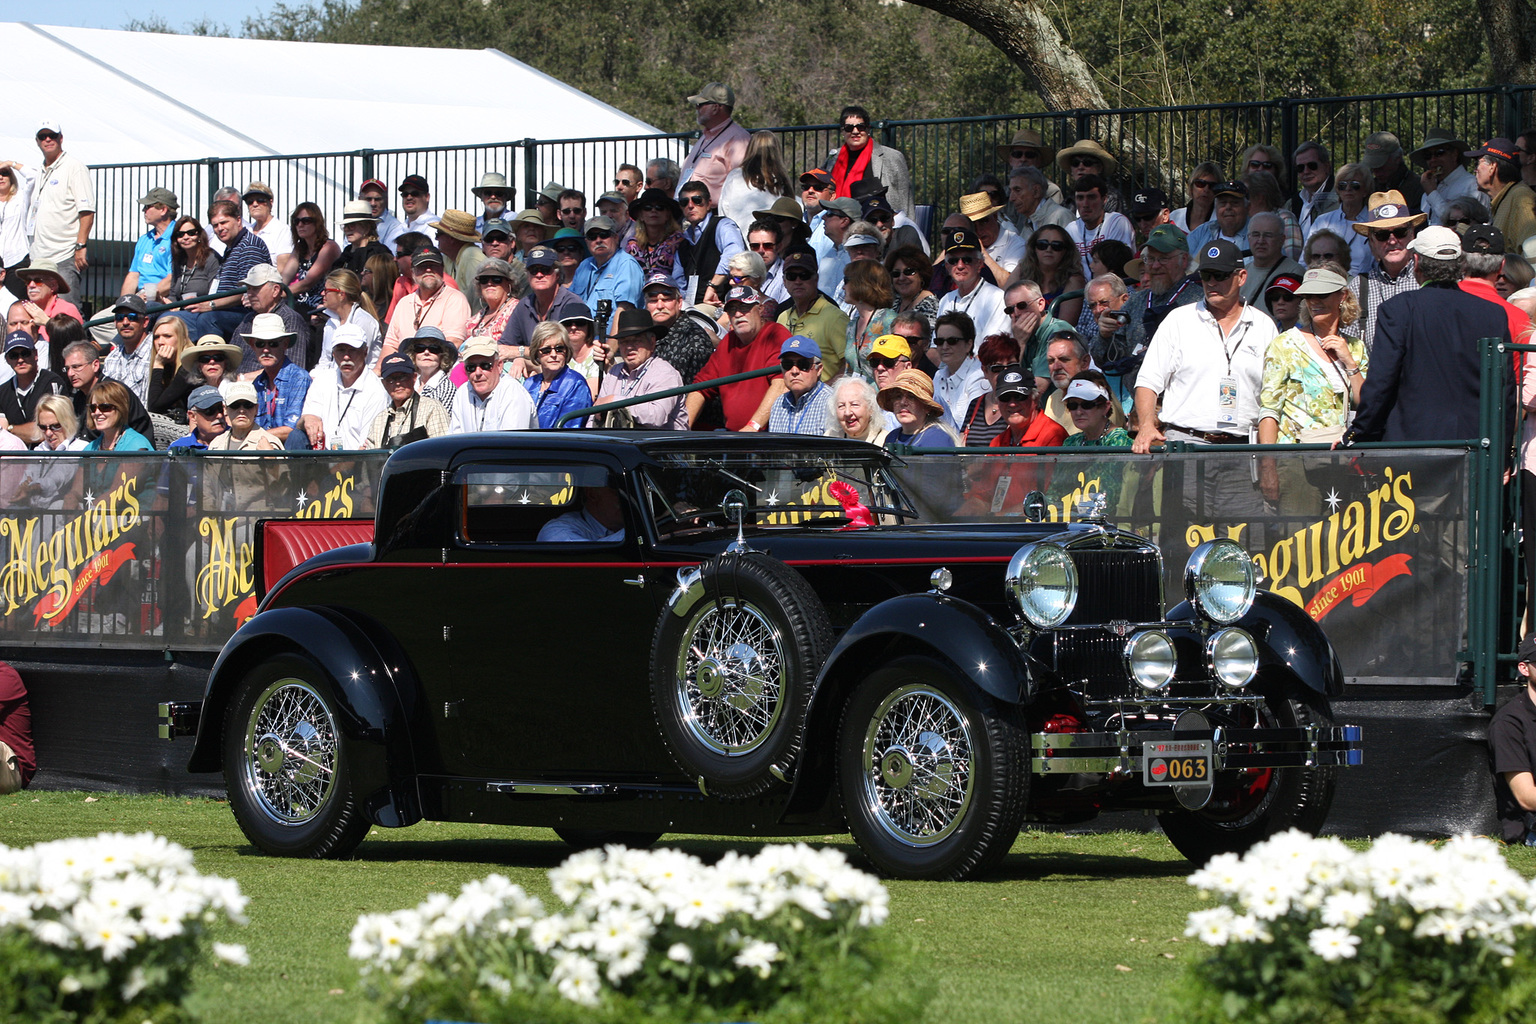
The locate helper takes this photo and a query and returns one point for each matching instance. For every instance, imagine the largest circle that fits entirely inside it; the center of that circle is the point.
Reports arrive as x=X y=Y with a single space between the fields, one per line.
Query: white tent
x=138 y=98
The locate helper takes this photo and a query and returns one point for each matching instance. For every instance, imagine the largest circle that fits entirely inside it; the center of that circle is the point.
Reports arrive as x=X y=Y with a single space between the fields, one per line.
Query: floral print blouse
x=1301 y=390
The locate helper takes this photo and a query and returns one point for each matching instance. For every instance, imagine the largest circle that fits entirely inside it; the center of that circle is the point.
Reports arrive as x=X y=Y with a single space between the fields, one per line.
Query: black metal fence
x=1154 y=146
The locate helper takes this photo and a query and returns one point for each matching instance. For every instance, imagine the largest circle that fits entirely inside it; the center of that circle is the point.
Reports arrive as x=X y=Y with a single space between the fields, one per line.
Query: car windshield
x=786 y=488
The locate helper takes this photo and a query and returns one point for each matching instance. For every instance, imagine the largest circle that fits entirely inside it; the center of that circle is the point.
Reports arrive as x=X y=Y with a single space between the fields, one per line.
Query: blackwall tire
x=286 y=763
x=934 y=773
x=1249 y=807
x=732 y=670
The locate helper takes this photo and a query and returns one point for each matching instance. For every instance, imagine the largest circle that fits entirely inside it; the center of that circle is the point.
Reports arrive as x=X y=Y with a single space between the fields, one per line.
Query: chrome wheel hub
x=730 y=677
x=918 y=748
x=292 y=752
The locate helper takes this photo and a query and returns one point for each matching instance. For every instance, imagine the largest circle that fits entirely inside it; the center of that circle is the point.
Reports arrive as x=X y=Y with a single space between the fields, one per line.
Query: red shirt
x=16 y=721
x=740 y=400
x=1017 y=476
x=1519 y=323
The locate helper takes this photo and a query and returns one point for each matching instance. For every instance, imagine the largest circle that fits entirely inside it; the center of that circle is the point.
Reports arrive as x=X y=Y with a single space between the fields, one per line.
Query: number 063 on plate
x=1176 y=763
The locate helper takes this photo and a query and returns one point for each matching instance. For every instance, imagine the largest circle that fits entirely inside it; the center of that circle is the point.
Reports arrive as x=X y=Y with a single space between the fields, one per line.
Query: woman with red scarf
x=858 y=159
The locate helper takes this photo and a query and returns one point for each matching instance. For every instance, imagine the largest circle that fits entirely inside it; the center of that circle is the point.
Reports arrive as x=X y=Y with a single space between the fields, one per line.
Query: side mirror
x=1034 y=507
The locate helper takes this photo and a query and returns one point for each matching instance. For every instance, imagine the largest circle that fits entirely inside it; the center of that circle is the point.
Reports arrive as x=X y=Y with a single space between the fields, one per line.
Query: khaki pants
x=10 y=770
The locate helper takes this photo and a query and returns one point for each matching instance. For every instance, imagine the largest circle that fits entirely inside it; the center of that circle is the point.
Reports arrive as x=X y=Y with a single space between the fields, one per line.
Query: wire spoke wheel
x=730 y=677
x=290 y=752
x=917 y=751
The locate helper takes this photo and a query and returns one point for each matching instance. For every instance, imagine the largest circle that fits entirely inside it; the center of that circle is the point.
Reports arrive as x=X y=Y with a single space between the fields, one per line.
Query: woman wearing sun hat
x=213 y=360
x=919 y=417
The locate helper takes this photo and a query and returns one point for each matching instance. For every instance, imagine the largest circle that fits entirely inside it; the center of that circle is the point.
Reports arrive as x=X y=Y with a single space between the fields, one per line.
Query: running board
x=551 y=788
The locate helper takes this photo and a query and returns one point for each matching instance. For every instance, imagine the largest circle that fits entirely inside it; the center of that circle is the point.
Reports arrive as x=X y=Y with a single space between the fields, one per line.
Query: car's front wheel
x=286 y=763
x=1251 y=805
x=934 y=773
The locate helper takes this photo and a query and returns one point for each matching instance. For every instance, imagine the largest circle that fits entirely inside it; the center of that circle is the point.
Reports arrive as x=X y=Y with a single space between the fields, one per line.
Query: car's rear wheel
x=934 y=773
x=1252 y=805
x=731 y=676
x=286 y=763
x=591 y=838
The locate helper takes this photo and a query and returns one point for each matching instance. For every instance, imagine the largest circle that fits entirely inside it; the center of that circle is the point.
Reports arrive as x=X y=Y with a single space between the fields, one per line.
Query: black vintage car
x=751 y=635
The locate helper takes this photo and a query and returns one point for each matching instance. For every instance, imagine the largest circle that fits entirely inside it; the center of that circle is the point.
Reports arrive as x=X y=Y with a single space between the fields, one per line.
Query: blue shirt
x=129 y=440
x=807 y=415
x=152 y=257
x=566 y=393
x=829 y=269
x=279 y=403
x=245 y=252
x=189 y=441
x=620 y=279
x=579 y=527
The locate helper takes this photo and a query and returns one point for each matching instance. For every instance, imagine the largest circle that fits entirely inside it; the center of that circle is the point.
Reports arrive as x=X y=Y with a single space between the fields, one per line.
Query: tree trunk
x=1511 y=28
x=1024 y=32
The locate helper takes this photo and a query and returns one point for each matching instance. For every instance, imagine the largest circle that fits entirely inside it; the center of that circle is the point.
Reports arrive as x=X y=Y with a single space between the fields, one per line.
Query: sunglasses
x=798 y=275
x=795 y=363
x=1142 y=218
x=1310 y=165
x=1263 y=165
x=1349 y=186
x=1085 y=161
x=1017 y=307
x=1383 y=234
x=542 y=271
x=851 y=127
x=241 y=406
x=955 y=260
x=1215 y=275
x=689 y=201
x=1046 y=245
x=885 y=363
x=413 y=194
x=1453 y=222
x=48 y=136
x=763 y=247
x=494 y=280
x=213 y=410
x=622 y=182
x=547 y=349
x=21 y=353
x=436 y=350
x=132 y=317
x=951 y=340
x=906 y=272
x=598 y=233
x=264 y=343
x=257 y=200
x=1074 y=404
x=812 y=186
x=303 y=220
x=1446 y=151
x=188 y=233
x=484 y=367
x=49 y=428
x=214 y=357
x=1025 y=154
x=1203 y=183
x=328 y=290
x=102 y=408
x=567 y=250
x=997 y=367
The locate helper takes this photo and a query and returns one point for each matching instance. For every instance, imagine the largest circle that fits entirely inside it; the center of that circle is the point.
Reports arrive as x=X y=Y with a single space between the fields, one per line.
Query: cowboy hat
x=1388 y=210
x=458 y=224
x=211 y=343
x=45 y=269
x=1086 y=147
x=491 y=181
x=1027 y=137
x=1434 y=139
x=978 y=206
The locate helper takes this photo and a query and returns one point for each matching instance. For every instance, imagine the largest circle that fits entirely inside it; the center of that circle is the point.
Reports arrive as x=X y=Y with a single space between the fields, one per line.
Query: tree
x=1512 y=38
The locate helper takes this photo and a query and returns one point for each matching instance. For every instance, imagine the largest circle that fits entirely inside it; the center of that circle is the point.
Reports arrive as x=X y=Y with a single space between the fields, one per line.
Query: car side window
x=501 y=504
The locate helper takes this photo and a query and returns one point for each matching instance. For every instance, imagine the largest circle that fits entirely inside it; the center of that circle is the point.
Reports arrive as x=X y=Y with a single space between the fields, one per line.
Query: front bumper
x=1064 y=753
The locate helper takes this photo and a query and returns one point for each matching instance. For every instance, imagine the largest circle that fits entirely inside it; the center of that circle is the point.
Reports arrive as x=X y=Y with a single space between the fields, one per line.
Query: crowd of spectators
x=1056 y=306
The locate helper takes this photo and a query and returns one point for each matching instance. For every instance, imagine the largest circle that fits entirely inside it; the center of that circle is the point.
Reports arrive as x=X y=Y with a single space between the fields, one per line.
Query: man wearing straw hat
x=1085 y=158
x=457 y=233
x=1445 y=178
x=1001 y=246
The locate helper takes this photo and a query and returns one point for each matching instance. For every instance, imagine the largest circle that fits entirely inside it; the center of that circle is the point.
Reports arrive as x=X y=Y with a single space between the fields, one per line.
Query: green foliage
x=30 y=988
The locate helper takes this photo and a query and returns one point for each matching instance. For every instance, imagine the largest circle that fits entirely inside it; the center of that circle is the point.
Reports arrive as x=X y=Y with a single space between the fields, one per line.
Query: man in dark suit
x=1425 y=375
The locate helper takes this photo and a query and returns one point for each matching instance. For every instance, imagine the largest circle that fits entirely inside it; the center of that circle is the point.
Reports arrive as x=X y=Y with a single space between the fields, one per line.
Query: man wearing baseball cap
x=491 y=400
x=752 y=344
x=1206 y=363
x=416 y=202
x=152 y=252
x=376 y=194
x=274 y=231
x=973 y=295
x=805 y=405
x=63 y=206
x=547 y=299
x=1512 y=754
x=1511 y=199
x=1425 y=380
x=205 y=415
x=1482 y=261
x=722 y=144
x=28 y=385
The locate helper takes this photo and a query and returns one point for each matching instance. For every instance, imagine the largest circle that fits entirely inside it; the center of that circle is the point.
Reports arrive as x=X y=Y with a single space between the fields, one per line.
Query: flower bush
x=106 y=929
x=1310 y=930
x=787 y=935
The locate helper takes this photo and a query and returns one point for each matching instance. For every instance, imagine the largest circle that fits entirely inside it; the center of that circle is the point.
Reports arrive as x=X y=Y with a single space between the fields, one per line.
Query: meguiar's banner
x=152 y=550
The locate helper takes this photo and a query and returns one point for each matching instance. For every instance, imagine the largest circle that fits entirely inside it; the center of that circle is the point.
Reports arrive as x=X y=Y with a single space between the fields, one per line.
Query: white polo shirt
x=984 y=306
x=1188 y=358
x=62 y=193
x=508 y=408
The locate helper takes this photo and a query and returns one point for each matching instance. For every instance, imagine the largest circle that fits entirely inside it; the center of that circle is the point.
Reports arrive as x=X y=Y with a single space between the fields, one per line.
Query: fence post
x=366 y=155
x=530 y=171
x=1487 y=515
x=887 y=134
x=1081 y=117
x=212 y=163
x=1289 y=139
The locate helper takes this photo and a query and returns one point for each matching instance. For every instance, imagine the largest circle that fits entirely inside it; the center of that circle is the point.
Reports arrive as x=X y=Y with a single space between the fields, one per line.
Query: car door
x=551 y=639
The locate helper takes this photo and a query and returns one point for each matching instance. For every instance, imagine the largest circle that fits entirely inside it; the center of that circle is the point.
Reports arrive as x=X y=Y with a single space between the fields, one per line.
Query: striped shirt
x=1372 y=290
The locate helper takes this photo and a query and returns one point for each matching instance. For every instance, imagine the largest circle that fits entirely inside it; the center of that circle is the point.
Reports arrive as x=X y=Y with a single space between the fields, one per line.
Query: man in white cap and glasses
x=494 y=194
x=340 y=405
x=1426 y=366
x=491 y=400
x=264 y=295
x=63 y=206
x=722 y=144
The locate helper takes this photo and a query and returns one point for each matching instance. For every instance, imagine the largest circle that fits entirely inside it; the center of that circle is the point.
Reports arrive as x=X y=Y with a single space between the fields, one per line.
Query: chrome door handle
x=638 y=581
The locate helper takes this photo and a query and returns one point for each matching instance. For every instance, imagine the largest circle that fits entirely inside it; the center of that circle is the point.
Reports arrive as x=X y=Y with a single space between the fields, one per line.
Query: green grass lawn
x=1072 y=928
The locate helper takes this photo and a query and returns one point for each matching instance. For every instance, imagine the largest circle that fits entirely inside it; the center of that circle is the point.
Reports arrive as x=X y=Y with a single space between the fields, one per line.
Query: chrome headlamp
x=1232 y=657
x=1150 y=659
x=1220 y=581
x=1042 y=582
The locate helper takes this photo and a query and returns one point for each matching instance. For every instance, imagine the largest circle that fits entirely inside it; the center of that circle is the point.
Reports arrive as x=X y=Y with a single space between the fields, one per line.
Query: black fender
x=1293 y=649
x=952 y=630
x=373 y=691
